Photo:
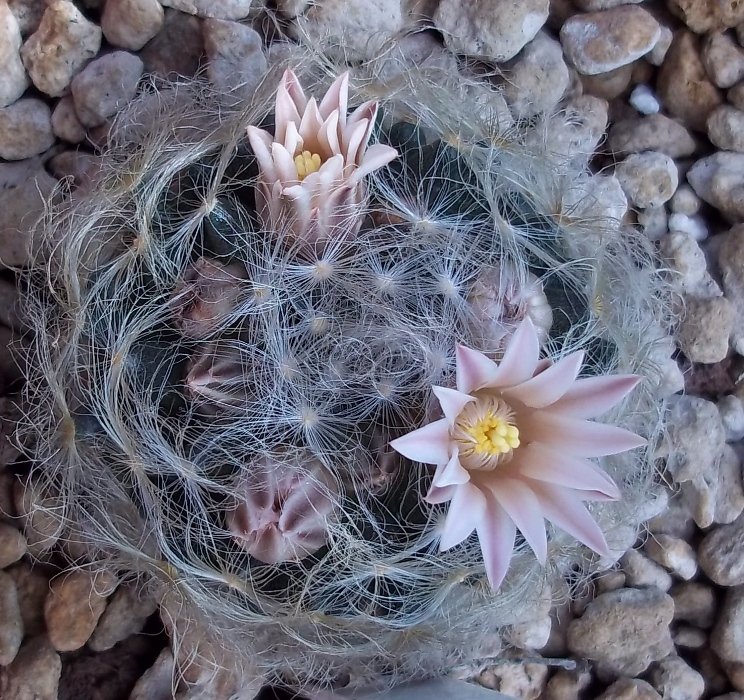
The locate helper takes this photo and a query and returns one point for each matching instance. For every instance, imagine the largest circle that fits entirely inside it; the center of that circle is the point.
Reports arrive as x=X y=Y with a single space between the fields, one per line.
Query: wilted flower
x=512 y=449
x=215 y=378
x=283 y=507
x=312 y=168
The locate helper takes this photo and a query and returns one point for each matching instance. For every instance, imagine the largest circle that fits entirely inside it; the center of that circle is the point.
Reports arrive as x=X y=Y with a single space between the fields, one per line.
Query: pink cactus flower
x=283 y=507
x=311 y=170
x=513 y=449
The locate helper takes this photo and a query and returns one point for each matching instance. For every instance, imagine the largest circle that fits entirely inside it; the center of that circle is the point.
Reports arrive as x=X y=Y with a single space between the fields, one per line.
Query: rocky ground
x=658 y=85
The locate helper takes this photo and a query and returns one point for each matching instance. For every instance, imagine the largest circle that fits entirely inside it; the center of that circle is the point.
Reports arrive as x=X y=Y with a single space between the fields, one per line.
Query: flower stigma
x=486 y=433
x=307 y=163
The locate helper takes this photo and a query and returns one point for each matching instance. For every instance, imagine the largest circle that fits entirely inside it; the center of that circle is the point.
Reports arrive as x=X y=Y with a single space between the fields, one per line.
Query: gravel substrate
x=655 y=88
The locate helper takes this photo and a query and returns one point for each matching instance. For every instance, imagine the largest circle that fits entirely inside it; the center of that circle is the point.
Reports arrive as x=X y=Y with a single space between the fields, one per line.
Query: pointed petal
x=351 y=141
x=440 y=495
x=297 y=209
x=310 y=125
x=464 y=514
x=261 y=141
x=591 y=396
x=429 y=444
x=328 y=136
x=366 y=114
x=474 y=369
x=375 y=157
x=284 y=164
x=496 y=533
x=290 y=103
x=292 y=139
x=540 y=462
x=520 y=357
x=453 y=474
x=523 y=507
x=564 y=509
x=578 y=437
x=451 y=401
x=550 y=385
x=336 y=98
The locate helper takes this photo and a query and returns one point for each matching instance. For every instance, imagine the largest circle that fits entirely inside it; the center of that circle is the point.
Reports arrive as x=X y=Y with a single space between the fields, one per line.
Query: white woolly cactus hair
x=182 y=348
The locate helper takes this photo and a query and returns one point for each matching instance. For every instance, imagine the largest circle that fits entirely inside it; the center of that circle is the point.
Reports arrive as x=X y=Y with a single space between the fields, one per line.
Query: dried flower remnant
x=285 y=504
x=215 y=380
x=311 y=170
x=512 y=449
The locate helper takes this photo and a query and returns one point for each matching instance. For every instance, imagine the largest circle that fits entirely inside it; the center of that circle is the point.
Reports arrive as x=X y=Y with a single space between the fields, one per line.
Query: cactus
x=222 y=360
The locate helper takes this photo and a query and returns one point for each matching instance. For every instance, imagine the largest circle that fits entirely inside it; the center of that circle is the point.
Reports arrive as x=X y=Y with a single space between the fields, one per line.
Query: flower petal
x=520 y=357
x=337 y=98
x=292 y=140
x=474 y=369
x=465 y=512
x=550 y=385
x=328 y=136
x=429 y=444
x=453 y=474
x=310 y=125
x=563 y=508
x=578 y=437
x=290 y=102
x=523 y=507
x=261 y=141
x=351 y=141
x=377 y=156
x=539 y=462
x=451 y=401
x=440 y=495
x=591 y=396
x=496 y=533
x=284 y=163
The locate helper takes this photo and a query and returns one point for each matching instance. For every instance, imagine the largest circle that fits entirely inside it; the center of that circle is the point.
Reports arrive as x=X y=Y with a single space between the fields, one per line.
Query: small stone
x=685 y=201
x=42 y=525
x=73 y=607
x=611 y=581
x=657 y=55
x=731 y=265
x=734 y=673
x=719 y=180
x=34 y=673
x=597 y=193
x=703 y=16
x=673 y=554
x=353 y=30
x=32 y=587
x=627 y=628
x=675 y=680
x=80 y=168
x=567 y=685
x=712 y=669
x=641 y=572
x=225 y=9
x=64 y=42
x=736 y=96
x=11 y=622
x=494 y=30
x=157 y=682
x=723 y=60
x=721 y=554
x=176 y=49
x=644 y=100
x=517 y=679
x=683 y=84
x=685 y=256
x=648 y=179
x=12 y=545
x=599 y=42
x=28 y=14
x=610 y=85
x=654 y=222
x=125 y=615
x=25 y=129
x=654 y=132
x=236 y=59
x=694 y=226
x=630 y=689
x=675 y=520
x=689 y=637
x=13 y=78
x=579 y=127
x=130 y=24
x=291 y=8
x=703 y=334
x=727 y=637
x=726 y=128
x=731 y=408
x=594 y=5
x=65 y=122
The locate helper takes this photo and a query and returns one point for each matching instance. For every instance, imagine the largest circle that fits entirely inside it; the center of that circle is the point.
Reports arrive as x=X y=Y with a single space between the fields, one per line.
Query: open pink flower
x=312 y=168
x=513 y=448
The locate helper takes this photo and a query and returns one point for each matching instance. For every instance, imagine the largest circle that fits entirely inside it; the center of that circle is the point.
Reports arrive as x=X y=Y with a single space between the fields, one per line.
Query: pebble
x=34 y=673
x=736 y=96
x=13 y=78
x=731 y=265
x=685 y=201
x=598 y=42
x=65 y=122
x=11 y=622
x=683 y=84
x=73 y=607
x=516 y=679
x=490 y=30
x=156 y=683
x=64 y=42
x=594 y=5
x=630 y=689
x=734 y=672
x=176 y=49
x=727 y=637
x=32 y=587
x=80 y=168
x=12 y=545
x=236 y=61
x=225 y=9
x=689 y=637
x=125 y=615
x=626 y=629
x=695 y=226
x=719 y=180
x=731 y=408
x=657 y=55
x=610 y=85
x=703 y=16
x=567 y=685
x=597 y=195
x=641 y=572
x=355 y=30
x=726 y=128
x=291 y=8
x=721 y=554
x=25 y=129
x=654 y=132
x=703 y=334
x=674 y=679
x=105 y=85
x=130 y=24
x=41 y=525
x=536 y=79
x=723 y=60
x=648 y=179
x=654 y=221
x=28 y=14
x=644 y=100
x=674 y=554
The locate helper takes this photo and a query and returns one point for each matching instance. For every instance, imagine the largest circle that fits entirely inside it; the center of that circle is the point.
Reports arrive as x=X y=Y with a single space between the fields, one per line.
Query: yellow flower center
x=486 y=433
x=307 y=163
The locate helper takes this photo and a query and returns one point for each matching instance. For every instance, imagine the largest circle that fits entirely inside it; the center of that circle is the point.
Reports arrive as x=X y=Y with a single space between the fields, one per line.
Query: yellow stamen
x=307 y=163
x=486 y=433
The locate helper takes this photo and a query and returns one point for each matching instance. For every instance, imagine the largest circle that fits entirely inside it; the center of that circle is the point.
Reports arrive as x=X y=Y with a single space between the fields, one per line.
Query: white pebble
x=695 y=226
x=644 y=100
